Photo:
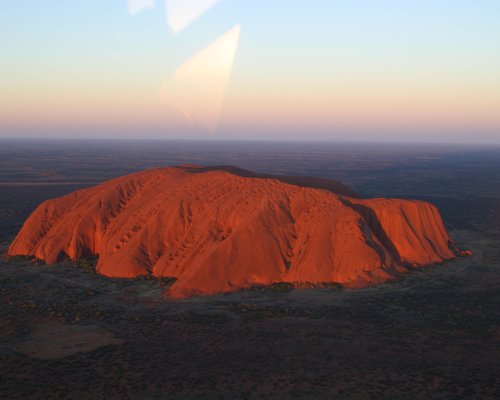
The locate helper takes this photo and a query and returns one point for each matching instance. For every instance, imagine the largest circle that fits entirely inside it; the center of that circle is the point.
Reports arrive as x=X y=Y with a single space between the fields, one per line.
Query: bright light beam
x=182 y=13
x=199 y=86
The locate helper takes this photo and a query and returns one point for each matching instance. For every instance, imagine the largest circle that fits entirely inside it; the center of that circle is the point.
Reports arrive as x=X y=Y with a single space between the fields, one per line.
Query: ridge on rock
x=220 y=229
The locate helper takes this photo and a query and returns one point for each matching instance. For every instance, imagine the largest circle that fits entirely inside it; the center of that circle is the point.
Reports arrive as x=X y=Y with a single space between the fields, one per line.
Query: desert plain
x=433 y=333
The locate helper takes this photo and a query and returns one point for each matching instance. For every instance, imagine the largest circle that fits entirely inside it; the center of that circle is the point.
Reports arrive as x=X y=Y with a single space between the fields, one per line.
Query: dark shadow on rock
x=302 y=181
x=375 y=226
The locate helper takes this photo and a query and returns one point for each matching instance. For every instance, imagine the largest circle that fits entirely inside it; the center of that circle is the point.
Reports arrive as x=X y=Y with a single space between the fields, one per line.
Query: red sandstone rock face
x=222 y=229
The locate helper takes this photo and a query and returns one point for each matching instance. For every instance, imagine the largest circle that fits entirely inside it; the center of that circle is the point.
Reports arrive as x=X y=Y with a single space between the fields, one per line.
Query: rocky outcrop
x=222 y=229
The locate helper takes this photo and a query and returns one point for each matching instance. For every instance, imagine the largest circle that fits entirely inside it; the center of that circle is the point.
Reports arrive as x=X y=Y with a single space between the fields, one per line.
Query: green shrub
x=88 y=264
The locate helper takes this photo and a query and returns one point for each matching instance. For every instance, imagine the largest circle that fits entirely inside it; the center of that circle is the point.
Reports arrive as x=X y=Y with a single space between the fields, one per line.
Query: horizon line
x=247 y=140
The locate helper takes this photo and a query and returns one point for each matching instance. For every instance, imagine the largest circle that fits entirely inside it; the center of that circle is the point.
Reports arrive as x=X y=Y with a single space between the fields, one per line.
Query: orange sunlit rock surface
x=222 y=229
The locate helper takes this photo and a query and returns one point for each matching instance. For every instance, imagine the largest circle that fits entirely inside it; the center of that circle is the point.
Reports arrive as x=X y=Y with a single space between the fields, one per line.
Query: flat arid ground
x=66 y=332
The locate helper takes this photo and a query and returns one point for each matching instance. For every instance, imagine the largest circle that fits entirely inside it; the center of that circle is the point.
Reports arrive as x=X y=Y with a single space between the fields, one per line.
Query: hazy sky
x=320 y=69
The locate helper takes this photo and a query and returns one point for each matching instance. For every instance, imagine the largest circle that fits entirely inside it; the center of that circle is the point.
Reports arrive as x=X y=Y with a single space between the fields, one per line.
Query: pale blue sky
x=312 y=46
